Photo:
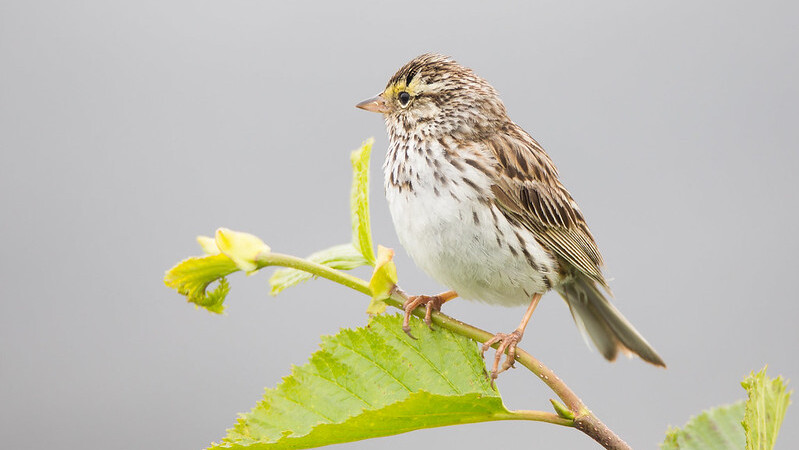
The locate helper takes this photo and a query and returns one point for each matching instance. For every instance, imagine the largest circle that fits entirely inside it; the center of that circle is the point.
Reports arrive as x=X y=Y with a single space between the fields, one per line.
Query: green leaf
x=191 y=277
x=348 y=256
x=359 y=201
x=341 y=257
x=765 y=409
x=383 y=281
x=208 y=245
x=718 y=428
x=370 y=382
x=242 y=248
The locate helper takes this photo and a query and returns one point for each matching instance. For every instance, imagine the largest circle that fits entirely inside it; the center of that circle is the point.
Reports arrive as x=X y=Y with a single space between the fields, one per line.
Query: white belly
x=451 y=235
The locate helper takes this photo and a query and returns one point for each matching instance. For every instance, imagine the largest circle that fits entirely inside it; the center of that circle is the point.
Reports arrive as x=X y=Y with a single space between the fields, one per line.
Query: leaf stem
x=584 y=419
x=537 y=416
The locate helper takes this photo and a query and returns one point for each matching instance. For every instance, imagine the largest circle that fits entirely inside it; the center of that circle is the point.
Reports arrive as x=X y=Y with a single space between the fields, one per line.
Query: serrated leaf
x=191 y=278
x=359 y=201
x=370 y=382
x=383 y=281
x=341 y=257
x=718 y=428
x=765 y=409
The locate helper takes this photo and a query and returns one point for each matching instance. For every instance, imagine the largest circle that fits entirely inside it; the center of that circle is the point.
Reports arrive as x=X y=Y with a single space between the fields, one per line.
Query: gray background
x=127 y=128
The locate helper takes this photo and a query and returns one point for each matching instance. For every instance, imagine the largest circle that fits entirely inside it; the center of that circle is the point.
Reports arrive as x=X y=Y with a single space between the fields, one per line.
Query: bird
x=478 y=205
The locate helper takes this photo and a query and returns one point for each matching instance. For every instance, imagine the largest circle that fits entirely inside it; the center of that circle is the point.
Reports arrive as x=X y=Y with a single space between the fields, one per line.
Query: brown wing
x=528 y=191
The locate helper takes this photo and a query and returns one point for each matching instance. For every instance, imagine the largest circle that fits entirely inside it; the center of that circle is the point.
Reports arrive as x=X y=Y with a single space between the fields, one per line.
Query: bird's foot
x=431 y=303
x=507 y=341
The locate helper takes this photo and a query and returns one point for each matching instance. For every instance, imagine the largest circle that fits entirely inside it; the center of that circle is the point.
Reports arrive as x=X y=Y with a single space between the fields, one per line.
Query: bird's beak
x=375 y=104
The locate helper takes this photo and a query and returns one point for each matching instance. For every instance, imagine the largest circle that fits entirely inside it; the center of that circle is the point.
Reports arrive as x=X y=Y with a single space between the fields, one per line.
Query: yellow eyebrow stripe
x=393 y=90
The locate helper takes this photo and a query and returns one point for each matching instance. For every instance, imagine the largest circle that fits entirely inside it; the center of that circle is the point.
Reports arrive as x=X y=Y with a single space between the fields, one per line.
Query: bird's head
x=433 y=95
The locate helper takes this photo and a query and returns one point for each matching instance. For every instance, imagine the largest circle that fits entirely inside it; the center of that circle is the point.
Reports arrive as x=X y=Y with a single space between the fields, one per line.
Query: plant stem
x=584 y=419
x=337 y=276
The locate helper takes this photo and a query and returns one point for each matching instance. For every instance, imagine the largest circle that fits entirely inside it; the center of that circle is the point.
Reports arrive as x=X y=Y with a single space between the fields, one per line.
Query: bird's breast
x=446 y=220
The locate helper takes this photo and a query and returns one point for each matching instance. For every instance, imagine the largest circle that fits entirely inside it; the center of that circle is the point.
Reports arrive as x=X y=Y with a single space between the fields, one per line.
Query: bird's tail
x=599 y=320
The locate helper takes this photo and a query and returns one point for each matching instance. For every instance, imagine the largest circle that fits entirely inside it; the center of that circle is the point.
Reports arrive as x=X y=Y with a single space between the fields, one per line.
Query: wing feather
x=528 y=192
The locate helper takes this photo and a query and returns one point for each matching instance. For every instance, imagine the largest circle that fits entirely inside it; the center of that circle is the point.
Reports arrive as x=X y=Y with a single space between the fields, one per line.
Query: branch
x=584 y=420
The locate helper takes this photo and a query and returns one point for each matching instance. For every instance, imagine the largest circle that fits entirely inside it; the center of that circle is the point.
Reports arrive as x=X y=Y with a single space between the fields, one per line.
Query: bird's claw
x=507 y=341
x=431 y=302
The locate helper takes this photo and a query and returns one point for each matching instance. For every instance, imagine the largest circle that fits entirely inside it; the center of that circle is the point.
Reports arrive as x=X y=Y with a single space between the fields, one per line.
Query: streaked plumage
x=478 y=205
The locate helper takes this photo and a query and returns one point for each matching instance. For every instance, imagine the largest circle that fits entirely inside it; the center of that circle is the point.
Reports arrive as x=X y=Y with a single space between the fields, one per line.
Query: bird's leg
x=431 y=303
x=508 y=342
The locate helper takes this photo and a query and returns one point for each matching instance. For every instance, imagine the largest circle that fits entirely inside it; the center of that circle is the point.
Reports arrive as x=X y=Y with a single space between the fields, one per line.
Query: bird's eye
x=404 y=98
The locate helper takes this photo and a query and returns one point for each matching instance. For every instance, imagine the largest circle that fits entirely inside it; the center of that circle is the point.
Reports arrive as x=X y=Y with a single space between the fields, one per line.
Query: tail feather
x=600 y=321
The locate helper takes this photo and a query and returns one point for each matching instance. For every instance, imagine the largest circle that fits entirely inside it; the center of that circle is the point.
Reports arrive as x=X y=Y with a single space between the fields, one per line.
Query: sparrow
x=477 y=204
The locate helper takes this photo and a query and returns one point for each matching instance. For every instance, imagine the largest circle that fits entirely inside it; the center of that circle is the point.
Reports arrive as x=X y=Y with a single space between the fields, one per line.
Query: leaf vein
x=402 y=339
x=335 y=383
x=303 y=406
x=374 y=363
x=478 y=368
